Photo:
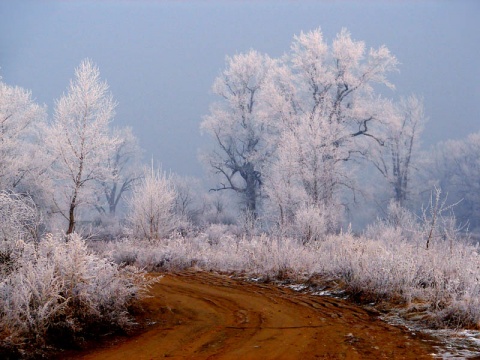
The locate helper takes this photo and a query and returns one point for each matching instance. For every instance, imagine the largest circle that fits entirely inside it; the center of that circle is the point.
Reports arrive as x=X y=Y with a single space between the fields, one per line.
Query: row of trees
x=76 y=167
x=296 y=138
x=75 y=161
x=292 y=133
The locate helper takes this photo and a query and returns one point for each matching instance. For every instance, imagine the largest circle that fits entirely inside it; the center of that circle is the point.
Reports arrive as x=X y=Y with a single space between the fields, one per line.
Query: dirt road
x=204 y=316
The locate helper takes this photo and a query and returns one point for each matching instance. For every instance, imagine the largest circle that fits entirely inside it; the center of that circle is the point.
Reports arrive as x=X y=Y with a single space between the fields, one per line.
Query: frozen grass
x=388 y=263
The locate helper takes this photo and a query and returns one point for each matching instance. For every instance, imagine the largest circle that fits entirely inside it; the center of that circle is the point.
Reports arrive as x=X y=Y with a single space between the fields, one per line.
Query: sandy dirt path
x=199 y=315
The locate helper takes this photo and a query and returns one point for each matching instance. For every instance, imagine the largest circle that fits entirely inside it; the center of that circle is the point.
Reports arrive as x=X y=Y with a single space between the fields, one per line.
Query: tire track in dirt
x=200 y=315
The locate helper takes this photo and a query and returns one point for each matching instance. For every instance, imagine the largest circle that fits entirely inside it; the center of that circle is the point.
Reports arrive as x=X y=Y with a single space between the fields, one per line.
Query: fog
x=160 y=58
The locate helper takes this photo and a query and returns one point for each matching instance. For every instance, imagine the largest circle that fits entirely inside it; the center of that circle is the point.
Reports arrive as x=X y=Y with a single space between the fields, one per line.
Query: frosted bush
x=311 y=223
x=304 y=221
x=258 y=255
x=284 y=258
x=104 y=227
x=462 y=312
x=216 y=208
x=216 y=233
x=19 y=220
x=152 y=206
x=399 y=225
x=60 y=287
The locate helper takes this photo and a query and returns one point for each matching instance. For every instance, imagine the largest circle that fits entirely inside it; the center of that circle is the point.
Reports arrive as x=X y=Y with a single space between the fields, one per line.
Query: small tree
x=152 y=206
x=435 y=222
x=79 y=141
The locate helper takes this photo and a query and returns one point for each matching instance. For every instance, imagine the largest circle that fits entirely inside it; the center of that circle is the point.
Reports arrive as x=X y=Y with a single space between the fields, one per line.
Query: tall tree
x=239 y=127
x=329 y=113
x=80 y=142
x=21 y=121
x=397 y=158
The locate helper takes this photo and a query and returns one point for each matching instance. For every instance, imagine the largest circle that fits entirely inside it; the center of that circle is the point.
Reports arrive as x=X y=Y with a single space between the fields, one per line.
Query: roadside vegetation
x=388 y=264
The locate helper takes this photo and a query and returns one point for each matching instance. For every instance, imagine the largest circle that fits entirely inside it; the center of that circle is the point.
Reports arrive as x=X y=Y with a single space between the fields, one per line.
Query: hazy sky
x=160 y=57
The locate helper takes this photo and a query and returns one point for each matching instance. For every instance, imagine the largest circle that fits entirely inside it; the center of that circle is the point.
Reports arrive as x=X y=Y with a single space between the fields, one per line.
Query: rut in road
x=201 y=315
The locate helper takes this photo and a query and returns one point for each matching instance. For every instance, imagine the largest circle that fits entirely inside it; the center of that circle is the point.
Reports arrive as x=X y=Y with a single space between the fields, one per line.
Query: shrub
x=19 y=220
x=311 y=223
x=152 y=206
x=60 y=289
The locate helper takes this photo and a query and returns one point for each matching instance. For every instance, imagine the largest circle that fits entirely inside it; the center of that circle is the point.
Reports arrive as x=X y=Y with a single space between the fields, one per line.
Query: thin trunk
x=71 y=217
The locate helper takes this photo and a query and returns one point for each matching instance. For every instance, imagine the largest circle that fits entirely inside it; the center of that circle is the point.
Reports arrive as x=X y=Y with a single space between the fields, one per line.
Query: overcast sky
x=160 y=57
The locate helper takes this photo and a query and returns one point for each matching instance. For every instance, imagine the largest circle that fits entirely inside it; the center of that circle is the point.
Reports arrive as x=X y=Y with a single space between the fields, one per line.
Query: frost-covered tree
x=397 y=158
x=188 y=200
x=124 y=164
x=308 y=173
x=21 y=121
x=455 y=167
x=152 y=207
x=239 y=126
x=329 y=112
x=80 y=142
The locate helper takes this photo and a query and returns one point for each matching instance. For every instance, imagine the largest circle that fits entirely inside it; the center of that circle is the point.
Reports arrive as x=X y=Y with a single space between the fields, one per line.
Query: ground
x=199 y=315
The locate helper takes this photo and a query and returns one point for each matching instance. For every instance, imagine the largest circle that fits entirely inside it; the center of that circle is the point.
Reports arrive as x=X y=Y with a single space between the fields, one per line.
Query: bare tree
x=123 y=162
x=80 y=142
x=188 y=202
x=455 y=166
x=397 y=158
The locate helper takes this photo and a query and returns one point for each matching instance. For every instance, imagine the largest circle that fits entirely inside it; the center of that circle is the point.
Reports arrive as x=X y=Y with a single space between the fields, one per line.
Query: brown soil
x=199 y=315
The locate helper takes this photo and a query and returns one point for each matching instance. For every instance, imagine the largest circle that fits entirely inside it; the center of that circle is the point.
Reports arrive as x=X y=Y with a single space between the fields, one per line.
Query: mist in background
x=160 y=58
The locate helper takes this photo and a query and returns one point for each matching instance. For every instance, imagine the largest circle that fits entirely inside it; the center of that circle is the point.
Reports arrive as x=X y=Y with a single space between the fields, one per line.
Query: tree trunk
x=400 y=190
x=71 y=219
x=71 y=214
x=112 y=200
x=251 y=191
x=112 y=209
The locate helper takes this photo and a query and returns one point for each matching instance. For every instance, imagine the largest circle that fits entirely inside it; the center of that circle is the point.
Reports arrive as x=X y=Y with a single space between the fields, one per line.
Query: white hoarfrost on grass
x=260 y=255
x=389 y=262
